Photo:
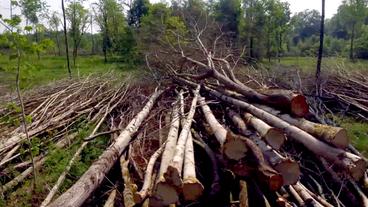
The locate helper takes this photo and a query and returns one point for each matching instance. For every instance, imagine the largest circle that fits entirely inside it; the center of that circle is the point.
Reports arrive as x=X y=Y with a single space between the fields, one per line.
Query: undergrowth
x=55 y=164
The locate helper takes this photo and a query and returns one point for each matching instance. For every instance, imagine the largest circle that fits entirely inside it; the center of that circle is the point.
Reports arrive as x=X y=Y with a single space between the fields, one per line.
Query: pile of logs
x=202 y=139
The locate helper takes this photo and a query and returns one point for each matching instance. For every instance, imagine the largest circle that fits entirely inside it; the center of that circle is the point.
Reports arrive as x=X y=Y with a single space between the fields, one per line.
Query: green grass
x=308 y=64
x=358 y=133
x=36 y=72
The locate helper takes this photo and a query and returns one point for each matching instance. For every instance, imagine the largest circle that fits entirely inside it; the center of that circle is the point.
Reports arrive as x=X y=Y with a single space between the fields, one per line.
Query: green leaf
x=28 y=28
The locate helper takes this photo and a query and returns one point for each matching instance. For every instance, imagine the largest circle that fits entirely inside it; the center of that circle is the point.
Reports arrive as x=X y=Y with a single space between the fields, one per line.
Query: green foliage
x=31 y=9
x=357 y=132
x=228 y=13
x=138 y=9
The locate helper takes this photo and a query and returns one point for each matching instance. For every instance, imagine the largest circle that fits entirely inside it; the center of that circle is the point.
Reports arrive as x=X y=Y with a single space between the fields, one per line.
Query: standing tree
x=138 y=9
x=66 y=39
x=320 y=50
x=77 y=16
x=110 y=18
x=32 y=9
x=54 y=22
x=228 y=13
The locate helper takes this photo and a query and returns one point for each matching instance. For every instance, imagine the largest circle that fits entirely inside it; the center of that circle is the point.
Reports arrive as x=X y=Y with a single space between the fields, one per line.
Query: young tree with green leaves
x=77 y=16
x=32 y=10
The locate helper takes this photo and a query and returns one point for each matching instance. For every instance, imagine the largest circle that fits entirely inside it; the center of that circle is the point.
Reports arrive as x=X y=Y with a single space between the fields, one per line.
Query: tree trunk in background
x=58 y=42
x=37 y=41
x=352 y=42
x=280 y=47
x=93 y=41
x=66 y=39
x=320 y=51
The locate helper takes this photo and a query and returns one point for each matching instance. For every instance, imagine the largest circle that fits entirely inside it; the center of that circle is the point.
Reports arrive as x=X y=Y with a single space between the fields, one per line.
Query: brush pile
x=203 y=138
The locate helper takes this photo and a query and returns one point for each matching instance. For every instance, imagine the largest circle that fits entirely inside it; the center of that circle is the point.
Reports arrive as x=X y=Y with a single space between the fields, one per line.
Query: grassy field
x=36 y=72
x=308 y=64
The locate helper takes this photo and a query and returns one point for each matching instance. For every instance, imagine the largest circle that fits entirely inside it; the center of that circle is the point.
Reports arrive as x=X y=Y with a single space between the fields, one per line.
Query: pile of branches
x=202 y=138
x=350 y=90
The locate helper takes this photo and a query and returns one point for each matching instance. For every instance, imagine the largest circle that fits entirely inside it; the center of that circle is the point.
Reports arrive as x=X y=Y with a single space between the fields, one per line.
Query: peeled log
x=337 y=136
x=273 y=136
x=164 y=193
x=174 y=170
x=111 y=199
x=353 y=164
x=243 y=194
x=288 y=168
x=232 y=147
x=92 y=178
x=288 y=100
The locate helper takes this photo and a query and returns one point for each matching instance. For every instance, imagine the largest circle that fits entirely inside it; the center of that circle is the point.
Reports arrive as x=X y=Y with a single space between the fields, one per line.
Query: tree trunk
x=288 y=168
x=273 y=136
x=352 y=42
x=351 y=163
x=164 y=193
x=90 y=180
x=336 y=136
x=174 y=170
x=320 y=51
x=66 y=39
x=232 y=147
x=192 y=187
x=111 y=199
x=243 y=194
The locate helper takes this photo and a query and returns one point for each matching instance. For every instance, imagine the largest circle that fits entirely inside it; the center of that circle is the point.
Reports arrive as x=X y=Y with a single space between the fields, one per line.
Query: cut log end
x=299 y=105
x=138 y=197
x=165 y=195
x=275 y=138
x=192 y=189
x=234 y=148
x=341 y=138
x=172 y=176
x=290 y=171
x=358 y=168
x=275 y=182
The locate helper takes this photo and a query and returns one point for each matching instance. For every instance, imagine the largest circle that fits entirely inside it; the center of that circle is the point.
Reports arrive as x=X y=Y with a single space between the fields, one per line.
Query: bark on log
x=90 y=180
x=288 y=168
x=273 y=136
x=192 y=187
x=243 y=194
x=351 y=163
x=174 y=170
x=164 y=193
x=337 y=136
x=129 y=187
x=111 y=199
x=307 y=198
x=232 y=147
x=295 y=102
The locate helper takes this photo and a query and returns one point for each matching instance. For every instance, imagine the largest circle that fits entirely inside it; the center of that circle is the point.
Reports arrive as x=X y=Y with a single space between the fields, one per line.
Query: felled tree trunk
x=243 y=194
x=288 y=168
x=111 y=199
x=307 y=198
x=90 y=180
x=273 y=136
x=164 y=193
x=288 y=100
x=334 y=135
x=232 y=147
x=174 y=170
x=129 y=187
x=192 y=187
x=351 y=163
